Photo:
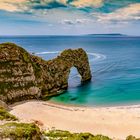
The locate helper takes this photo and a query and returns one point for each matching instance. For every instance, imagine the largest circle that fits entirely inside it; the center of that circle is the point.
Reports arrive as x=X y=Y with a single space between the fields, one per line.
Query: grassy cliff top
x=13 y=50
x=5 y=115
x=66 y=135
x=19 y=131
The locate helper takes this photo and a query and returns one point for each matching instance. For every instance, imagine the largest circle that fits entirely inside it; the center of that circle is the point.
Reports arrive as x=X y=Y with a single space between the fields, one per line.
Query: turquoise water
x=114 y=61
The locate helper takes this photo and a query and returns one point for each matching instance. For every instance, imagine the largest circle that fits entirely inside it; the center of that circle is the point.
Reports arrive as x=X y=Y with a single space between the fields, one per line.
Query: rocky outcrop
x=4 y=105
x=23 y=75
x=17 y=77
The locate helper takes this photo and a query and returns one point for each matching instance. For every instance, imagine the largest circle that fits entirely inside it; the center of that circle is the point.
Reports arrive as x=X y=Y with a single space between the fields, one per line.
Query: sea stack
x=25 y=76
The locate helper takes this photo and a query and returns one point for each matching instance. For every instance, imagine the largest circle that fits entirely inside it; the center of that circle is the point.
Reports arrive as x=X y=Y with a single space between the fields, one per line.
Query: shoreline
x=118 y=122
x=76 y=105
x=94 y=106
x=63 y=105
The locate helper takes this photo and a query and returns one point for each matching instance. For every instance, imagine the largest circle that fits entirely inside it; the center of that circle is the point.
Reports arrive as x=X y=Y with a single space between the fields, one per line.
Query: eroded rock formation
x=23 y=75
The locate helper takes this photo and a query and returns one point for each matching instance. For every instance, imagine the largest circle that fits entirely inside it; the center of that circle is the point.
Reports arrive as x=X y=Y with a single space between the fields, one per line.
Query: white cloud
x=63 y=1
x=22 y=5
x=68 y=22
x=12 y=5
x=71 y=16
x=63 y=16
x=76 y=21
x=132 y=12
x=87 y=3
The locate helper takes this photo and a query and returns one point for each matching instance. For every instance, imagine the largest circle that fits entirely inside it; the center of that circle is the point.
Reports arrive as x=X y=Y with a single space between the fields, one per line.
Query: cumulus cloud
x=23 y=5
x=87 y=3
x=76 y=21
x=63 y=1
x=132 y=12
x=30 y=5
x=69 y=22
x=11 y=5
x=70 y=10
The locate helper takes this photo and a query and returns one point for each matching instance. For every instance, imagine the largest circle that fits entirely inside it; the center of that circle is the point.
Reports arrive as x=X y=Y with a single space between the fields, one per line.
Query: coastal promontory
x=26 y=76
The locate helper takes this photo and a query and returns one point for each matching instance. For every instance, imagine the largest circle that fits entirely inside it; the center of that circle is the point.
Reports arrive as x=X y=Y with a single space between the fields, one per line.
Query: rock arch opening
x=74 y=79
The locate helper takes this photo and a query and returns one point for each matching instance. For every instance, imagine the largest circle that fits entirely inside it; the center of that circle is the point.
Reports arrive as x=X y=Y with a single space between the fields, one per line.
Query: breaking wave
x=96 y=56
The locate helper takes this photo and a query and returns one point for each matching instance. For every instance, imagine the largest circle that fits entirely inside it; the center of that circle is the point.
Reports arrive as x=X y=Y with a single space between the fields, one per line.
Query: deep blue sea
x=114 y=62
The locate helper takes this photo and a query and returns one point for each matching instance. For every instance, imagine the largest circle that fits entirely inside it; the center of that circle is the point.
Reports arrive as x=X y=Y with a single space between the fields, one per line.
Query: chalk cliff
x=25 y=76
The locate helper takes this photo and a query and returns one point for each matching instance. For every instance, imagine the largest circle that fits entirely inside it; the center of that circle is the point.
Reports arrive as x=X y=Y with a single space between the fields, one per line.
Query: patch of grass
x=58 y=133
x=18 y=131
x=66 y=135
x=132 y=138
x=5 y=115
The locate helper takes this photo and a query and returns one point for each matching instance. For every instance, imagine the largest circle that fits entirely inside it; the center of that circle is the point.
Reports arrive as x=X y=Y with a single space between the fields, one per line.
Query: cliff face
x=23 y=75
x=17 y=77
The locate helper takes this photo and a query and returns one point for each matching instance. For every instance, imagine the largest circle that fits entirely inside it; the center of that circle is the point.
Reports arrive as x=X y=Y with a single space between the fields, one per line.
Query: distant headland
x=108 y=35
x=73 y=35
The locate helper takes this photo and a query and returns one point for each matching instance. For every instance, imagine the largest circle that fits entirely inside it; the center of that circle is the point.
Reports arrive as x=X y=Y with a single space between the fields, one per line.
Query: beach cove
x=116 y=122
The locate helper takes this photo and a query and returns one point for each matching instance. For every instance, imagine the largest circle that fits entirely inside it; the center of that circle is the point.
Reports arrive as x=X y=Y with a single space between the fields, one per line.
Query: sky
x=69 y=17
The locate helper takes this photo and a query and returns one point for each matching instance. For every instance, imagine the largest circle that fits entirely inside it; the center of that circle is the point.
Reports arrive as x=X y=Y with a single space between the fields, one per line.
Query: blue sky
x=69 y=17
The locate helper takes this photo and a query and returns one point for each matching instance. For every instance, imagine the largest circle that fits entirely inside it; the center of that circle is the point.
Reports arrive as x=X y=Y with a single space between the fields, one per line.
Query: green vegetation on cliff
x=11 y=47
x=4 y=115
x=132 y=138
x=66 y=135
x=20 y=131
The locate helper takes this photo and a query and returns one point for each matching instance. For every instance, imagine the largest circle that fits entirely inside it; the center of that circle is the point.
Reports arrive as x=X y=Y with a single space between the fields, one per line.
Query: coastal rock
x=25 y=76
x=4 y=105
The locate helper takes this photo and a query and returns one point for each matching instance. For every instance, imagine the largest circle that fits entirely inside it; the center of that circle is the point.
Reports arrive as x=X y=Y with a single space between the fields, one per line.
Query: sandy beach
x=118 y=122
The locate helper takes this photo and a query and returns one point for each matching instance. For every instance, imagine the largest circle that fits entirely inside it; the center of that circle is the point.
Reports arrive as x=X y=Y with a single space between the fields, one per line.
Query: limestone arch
x=77 y=58
x=24 y=76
